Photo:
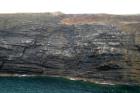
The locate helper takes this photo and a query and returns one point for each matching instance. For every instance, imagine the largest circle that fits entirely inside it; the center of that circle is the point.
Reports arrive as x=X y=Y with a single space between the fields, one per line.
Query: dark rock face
x=92 y=51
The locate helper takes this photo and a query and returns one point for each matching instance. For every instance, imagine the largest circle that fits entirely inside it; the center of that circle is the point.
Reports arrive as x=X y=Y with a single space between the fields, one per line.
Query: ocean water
x=58 y=85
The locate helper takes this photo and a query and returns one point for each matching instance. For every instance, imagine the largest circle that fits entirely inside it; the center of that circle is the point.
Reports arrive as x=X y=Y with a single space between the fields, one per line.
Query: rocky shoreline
x=94 y=81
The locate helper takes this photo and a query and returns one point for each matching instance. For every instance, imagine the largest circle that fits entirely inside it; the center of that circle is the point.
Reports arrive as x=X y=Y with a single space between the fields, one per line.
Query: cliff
x=94 y=47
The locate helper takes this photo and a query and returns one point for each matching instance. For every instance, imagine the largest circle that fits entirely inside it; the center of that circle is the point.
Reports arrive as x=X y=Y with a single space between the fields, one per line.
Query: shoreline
x=94 y=81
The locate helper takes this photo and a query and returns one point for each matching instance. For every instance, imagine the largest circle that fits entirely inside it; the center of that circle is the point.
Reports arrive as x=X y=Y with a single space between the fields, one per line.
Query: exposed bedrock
x=92 y=51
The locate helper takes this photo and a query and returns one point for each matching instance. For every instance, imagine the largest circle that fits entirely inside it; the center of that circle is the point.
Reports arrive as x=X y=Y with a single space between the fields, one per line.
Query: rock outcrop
x=101 y=47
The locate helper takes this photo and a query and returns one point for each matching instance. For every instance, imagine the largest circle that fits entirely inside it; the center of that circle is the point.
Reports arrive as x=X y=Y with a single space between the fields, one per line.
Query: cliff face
x=102 y=47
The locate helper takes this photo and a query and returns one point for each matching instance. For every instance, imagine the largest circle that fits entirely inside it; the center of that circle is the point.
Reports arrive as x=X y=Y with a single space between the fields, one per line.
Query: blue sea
x=59 y=85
